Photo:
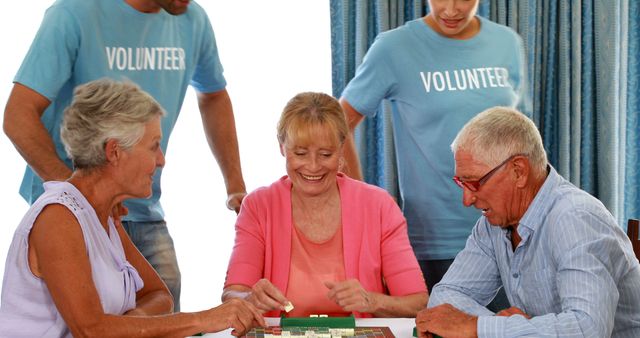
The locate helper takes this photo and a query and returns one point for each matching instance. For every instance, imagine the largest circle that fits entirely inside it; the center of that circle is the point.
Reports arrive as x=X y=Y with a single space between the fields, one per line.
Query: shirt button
x=515 y=275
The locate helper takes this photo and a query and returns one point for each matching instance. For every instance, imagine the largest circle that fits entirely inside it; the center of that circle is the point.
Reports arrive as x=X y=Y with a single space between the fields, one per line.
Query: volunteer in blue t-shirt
x=437 y=72
x=163 y=46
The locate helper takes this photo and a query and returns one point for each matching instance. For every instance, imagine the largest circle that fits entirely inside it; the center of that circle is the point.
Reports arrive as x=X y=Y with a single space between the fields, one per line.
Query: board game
x=320 y=332
x=320 y=326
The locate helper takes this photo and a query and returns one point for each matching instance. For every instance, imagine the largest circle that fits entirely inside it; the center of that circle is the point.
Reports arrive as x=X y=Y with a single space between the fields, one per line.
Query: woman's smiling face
x=313 y=160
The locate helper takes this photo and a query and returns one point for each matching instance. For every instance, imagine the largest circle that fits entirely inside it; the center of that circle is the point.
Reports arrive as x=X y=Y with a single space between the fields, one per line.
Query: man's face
x=173 y=7
x=496 y=196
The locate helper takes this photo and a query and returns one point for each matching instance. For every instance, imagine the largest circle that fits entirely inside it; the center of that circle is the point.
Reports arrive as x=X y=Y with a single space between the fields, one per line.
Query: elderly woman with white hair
x=71 y=270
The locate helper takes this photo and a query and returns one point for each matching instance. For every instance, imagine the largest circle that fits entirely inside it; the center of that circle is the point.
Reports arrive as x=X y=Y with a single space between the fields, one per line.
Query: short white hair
x=101 y=110
x=498 y=133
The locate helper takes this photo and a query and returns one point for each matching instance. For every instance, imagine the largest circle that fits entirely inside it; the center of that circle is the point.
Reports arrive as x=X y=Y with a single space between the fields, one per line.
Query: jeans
x=434 y=270
x=155 y=243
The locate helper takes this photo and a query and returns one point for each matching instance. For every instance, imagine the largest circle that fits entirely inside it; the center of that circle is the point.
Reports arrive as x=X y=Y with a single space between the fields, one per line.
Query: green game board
x=358 y=332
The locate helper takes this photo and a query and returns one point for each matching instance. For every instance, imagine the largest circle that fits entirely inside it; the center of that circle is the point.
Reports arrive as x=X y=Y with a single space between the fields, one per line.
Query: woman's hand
x=351 y=296
x=235 y=313
x=266 y=297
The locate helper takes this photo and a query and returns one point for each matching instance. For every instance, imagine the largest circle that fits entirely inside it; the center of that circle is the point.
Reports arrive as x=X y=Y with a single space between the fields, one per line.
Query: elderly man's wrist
x=474 y=325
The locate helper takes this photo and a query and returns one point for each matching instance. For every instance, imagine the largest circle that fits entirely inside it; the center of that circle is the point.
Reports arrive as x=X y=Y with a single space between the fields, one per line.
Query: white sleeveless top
x=26 y=307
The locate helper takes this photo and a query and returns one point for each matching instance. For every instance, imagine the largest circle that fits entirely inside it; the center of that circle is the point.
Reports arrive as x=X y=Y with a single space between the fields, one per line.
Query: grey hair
x=498 y=133
x=101 y=110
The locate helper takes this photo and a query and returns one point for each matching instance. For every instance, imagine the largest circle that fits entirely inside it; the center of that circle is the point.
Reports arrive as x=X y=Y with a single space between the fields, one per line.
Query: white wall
x=271 y=50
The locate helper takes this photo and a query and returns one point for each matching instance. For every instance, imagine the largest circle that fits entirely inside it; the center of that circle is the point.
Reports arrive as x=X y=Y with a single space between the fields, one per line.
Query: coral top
x=375 y=244
x=311 y=265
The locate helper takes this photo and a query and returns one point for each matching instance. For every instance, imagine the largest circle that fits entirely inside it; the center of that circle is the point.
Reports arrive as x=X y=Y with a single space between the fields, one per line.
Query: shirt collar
x=542 y=203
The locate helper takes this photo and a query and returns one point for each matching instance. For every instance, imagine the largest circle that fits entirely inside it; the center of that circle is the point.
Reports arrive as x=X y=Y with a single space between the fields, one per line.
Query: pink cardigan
x=375 y=242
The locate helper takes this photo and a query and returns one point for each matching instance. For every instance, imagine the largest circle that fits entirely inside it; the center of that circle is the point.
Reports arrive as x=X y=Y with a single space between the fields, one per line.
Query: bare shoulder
x=56 y=215
x=55 y=237
x=55 y=226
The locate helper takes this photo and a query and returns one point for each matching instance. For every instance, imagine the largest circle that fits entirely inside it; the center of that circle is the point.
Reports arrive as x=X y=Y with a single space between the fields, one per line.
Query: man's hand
x=234 y=201
x=446 y=321
x=512 y=311
x=351 y=296
x=117 y=212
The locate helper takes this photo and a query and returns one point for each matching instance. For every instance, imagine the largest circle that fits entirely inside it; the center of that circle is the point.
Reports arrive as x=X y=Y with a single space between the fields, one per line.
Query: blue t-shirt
x=435 y=85
x=83 y=40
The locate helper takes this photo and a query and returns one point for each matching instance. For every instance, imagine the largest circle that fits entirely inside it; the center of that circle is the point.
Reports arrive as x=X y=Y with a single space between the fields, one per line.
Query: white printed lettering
x=149 y=59
x=145 y=58
x=491 y=77
x=121 y=59
x=460 y=78
x=111 y=55
x=446 y=75
x=426 y=81
x=181 y=57
x=437 y=76
x=484 y=80
x=167 y=58
x=450 y=80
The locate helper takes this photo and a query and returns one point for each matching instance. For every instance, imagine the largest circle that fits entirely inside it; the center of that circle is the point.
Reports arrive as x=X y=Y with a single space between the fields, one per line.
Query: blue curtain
x=583 y=90
x=632 y=173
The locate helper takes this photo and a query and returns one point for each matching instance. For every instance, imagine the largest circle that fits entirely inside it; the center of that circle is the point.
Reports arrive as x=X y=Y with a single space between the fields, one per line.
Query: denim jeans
x=434 y=270
x=155 y=243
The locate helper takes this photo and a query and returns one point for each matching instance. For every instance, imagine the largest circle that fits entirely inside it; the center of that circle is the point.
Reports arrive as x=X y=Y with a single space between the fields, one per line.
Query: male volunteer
x=163 y=46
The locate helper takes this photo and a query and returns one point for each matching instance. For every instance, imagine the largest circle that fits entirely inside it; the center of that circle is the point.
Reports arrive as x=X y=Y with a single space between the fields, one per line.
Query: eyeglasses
x=475 y=185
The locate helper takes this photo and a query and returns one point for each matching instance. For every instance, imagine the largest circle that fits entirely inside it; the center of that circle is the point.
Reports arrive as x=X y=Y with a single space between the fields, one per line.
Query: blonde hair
x=498 y=133
x=101 y=110
x=308 y=110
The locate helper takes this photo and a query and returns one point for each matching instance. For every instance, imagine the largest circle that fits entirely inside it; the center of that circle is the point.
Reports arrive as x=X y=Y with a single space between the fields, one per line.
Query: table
x=401 y=327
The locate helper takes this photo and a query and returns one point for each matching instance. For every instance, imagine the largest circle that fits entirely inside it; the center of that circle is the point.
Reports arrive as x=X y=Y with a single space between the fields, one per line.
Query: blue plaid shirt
x=574 y=272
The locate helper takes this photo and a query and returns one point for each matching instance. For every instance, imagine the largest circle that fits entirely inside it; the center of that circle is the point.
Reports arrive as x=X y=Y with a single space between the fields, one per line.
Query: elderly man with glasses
x=567 y=268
